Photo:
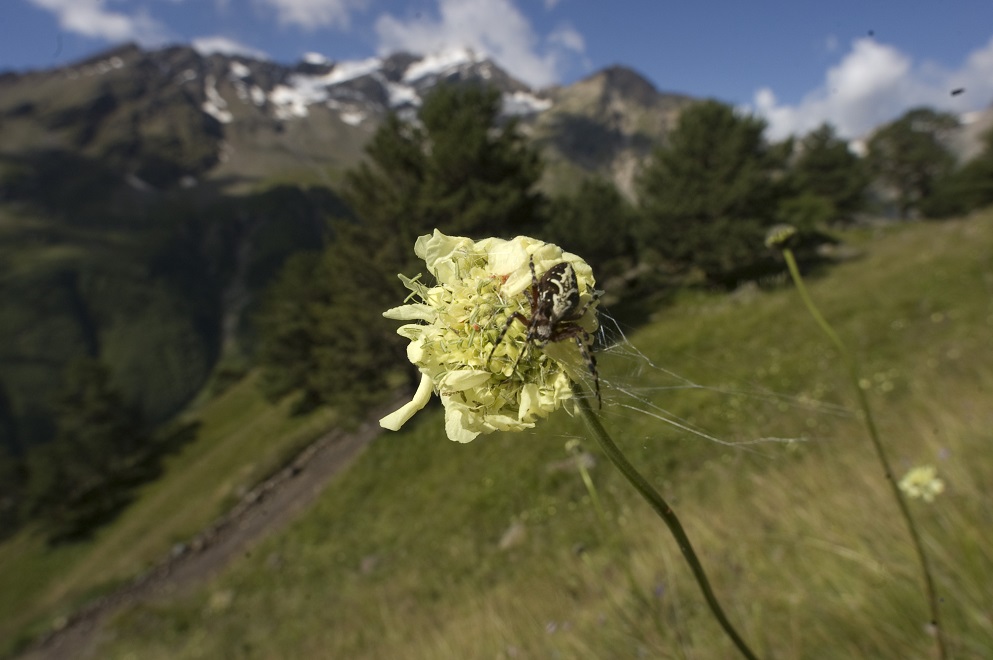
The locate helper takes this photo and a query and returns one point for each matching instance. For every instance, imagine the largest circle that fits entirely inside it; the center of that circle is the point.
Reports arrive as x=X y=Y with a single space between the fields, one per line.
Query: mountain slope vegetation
x=141 y=219
x=427 y=548
x=431 y=549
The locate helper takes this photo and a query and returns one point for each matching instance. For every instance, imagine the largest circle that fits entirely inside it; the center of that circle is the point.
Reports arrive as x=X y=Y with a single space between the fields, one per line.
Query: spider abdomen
x=558 y=297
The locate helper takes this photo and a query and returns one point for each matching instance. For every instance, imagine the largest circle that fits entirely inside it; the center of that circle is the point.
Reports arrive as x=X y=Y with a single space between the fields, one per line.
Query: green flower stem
x=853 y=373
x=664 y=511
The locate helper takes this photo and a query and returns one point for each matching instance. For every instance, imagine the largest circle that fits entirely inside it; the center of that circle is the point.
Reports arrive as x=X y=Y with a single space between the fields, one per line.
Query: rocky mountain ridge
x=174 y=116
x=148 y=197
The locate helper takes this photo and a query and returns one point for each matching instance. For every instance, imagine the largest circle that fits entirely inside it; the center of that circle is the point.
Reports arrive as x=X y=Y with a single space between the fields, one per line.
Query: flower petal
x=418 y=312
x=463 y=379
x=455 y=426
x=529 y=401
x=438 y=252
x=396 y=419
x=505 y=257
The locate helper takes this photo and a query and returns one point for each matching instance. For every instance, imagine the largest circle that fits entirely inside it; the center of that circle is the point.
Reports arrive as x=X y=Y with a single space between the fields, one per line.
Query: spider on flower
x=555 y=315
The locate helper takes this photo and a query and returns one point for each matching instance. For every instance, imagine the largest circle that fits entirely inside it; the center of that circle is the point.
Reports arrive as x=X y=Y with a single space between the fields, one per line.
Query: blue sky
x=853 y=63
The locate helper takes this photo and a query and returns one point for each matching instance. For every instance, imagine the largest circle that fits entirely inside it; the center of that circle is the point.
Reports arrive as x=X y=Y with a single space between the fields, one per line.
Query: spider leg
x=582 y=340
x=591 y=365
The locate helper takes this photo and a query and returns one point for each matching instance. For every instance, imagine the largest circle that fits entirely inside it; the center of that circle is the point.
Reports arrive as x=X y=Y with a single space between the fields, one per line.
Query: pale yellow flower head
x=922 y=482
x=479 y=284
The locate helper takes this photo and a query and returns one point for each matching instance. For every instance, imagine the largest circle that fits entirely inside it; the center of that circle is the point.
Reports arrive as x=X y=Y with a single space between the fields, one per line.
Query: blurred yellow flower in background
x=922 y=482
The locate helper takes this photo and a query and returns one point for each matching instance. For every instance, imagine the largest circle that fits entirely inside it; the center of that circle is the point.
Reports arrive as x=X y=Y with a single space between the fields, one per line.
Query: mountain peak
x=242 y=116
x=126 y=51
x=626 y=82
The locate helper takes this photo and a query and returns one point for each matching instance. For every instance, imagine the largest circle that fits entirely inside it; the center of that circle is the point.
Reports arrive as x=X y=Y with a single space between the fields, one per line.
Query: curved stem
x=665 y=512
x=853 y=373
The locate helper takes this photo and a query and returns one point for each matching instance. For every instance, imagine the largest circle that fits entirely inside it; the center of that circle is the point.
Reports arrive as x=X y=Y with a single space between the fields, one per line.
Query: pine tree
x=11 y=486
x=85 y=474
x=976 y=177
x=909 y=156
x=968 y=188
x=598 y=223
x=458 y=170
x=287 y=327
x=709 y=194
x=11 y=468
x=482 y=173
x=826 y=173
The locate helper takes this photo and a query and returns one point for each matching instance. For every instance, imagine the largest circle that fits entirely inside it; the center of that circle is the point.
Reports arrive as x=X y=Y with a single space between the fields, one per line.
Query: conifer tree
x=287 y=327
x=909 y=156
x=11 y=484
x=826 y=171
x=598 y=223
x=709 y=193
x=84 y=475
x=968 y=188
x=459 y=169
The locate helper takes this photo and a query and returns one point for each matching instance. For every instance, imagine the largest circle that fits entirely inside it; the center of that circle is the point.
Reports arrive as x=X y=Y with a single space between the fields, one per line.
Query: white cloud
x=567 y=37
x=493 y=28
x=226 y=46
x=91 y=18
x=875 y=83
x=310 y=14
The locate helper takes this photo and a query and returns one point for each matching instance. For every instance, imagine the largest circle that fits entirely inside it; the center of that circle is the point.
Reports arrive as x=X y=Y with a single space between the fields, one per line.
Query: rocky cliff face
x=607 y=124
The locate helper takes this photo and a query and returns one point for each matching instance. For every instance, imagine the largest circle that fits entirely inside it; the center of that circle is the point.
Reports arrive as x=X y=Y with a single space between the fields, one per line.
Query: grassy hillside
x=241 y=439
x=402 y=556
x=159 y=286
x=429 y=549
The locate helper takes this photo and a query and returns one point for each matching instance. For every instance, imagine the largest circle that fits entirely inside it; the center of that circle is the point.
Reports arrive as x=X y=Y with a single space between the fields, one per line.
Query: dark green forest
x=119 y=306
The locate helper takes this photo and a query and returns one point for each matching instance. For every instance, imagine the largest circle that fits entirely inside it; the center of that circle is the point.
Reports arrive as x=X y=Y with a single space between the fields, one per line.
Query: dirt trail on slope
x=269 y=507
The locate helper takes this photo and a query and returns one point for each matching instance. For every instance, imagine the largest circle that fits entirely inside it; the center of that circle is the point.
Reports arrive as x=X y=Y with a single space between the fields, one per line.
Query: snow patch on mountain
x=349 y=88
x=303 y=90
x=315 y=59
x=290 y=102
x=100 y=68
x=524 y=103
x=239 y=70
x=345 y=71
x=257 y=95
x=215 y=105
x=402 y=95
x=186 y=76
x=352 y=118
x=439 y=63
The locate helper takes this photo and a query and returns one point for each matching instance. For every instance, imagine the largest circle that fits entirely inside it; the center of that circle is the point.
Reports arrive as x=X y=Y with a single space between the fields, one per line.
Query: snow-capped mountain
x=177 y=116
x=363 y=90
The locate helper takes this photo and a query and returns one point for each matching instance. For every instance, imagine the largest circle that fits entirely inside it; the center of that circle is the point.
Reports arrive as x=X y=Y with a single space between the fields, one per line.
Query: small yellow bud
x=780 y=236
